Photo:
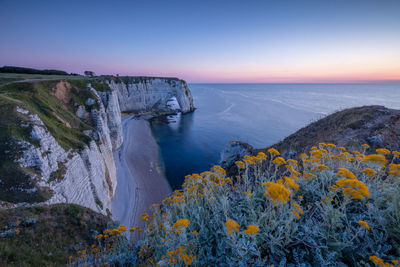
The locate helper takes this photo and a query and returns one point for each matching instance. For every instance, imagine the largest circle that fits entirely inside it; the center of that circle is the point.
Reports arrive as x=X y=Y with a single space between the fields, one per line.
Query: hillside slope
x=376 y=126
x=47 y=235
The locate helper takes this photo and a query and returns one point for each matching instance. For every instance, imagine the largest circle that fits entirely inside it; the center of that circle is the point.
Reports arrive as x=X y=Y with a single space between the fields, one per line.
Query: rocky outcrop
x=377 y=126
x=152 y=94
x=233 y=152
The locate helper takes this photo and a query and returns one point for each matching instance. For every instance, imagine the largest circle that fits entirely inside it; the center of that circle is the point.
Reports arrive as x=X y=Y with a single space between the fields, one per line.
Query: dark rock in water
x=233 y=152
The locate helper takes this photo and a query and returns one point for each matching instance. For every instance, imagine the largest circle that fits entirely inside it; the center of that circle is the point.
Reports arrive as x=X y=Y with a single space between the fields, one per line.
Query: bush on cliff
x=330 y=208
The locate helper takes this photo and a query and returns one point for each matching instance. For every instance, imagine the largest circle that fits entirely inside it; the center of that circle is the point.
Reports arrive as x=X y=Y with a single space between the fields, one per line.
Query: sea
x=259 y=114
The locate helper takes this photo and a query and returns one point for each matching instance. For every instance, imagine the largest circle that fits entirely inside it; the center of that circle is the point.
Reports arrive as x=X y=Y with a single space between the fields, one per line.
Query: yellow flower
x=317 y=153
x=289 y=182
x=298 y=208
x=308 y=175
x=378 y=158
x=279 y=161
x=353 y=188
x=303 y=156
x=195 y=232
x=240 y=164
x=396 y=154
x=98 y=236
x=249 y=193
x=369 y=171
x=364 y=224
x=394 y=169
x=273 y=151
x=331 y=145
x=383 y=151
x=145 y=217
x=231 y=226
x=261 y=156
x=133 y=229
x=251 y=230
x=277 y=192
x=378 y=261
x=320 y=168
x=181 y=223
x=249 y=162
x=345 y=173
x=115 y=231
x=342 y=148
x=296 y=213
x=365 y=145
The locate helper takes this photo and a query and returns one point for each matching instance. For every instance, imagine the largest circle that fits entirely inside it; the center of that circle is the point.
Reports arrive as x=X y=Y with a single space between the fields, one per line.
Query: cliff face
x=65 y=154
x=152 y=94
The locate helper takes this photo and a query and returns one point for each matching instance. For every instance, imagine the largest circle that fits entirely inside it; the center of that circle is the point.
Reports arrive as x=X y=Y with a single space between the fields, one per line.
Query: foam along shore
x=140 y=180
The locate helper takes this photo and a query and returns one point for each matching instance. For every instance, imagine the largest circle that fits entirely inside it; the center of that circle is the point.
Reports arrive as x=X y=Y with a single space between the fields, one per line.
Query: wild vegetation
x=55 y=103
x=14 y=69
x=331 y=207
x=46 y=235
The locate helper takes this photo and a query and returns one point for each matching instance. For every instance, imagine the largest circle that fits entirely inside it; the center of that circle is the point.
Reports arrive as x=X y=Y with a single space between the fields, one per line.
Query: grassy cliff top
x=55 y=102
x=47 y=235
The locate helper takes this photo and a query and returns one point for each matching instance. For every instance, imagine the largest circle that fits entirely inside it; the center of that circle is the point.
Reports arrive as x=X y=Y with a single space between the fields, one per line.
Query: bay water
x=259 y=114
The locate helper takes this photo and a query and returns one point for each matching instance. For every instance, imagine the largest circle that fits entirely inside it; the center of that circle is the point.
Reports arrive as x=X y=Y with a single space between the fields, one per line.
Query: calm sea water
x=259 y=114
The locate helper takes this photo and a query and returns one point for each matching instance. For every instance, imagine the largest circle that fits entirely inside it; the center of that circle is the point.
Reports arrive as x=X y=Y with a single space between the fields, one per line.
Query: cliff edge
x=58 y=136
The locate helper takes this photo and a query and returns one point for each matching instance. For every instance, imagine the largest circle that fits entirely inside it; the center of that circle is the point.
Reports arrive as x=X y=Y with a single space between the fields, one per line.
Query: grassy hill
x=47 y=235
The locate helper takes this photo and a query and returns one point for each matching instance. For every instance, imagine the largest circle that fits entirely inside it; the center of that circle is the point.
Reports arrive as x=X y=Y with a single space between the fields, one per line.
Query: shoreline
x=140 y=179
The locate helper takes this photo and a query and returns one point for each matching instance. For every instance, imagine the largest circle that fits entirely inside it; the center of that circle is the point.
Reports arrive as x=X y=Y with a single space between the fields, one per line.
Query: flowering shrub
x=332 y=207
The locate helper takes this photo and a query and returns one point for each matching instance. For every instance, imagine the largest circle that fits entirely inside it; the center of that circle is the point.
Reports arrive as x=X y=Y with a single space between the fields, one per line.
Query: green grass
x=48 y=234
x=38 y=98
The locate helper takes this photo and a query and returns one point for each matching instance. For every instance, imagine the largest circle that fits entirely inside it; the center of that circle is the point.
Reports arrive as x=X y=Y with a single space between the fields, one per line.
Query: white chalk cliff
x=88 y=175
x=153 y=95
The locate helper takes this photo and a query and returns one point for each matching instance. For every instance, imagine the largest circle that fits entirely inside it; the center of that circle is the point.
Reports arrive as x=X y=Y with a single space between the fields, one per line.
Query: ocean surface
x=259 y=114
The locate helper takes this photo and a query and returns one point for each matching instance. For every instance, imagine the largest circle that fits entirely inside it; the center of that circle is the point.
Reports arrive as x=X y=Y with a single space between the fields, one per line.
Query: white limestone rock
x=152 y=94
x=90 y=176
x=110 y=102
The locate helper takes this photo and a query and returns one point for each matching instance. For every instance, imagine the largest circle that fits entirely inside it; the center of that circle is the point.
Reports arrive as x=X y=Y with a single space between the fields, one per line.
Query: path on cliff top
x=141 y=182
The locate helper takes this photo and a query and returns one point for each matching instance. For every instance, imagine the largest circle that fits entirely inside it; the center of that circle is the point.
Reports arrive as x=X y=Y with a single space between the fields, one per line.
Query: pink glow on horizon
x=246 y=74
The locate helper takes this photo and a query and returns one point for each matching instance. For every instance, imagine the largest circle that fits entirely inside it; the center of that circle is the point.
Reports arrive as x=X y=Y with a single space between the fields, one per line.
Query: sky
x=207 y=41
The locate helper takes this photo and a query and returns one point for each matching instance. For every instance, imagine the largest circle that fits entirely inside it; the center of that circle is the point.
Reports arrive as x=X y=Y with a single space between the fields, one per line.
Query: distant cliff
x=137 y=94
x=57 y=137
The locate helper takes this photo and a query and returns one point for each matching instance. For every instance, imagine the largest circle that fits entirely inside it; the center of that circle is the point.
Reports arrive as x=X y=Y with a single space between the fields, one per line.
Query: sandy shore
x=141 y=182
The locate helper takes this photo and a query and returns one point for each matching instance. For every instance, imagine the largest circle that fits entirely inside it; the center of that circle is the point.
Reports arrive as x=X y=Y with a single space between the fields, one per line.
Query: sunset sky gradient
x=207 y=41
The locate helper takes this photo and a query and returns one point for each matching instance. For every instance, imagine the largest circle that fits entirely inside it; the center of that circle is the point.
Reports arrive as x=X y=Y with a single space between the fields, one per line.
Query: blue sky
x=207 y=41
